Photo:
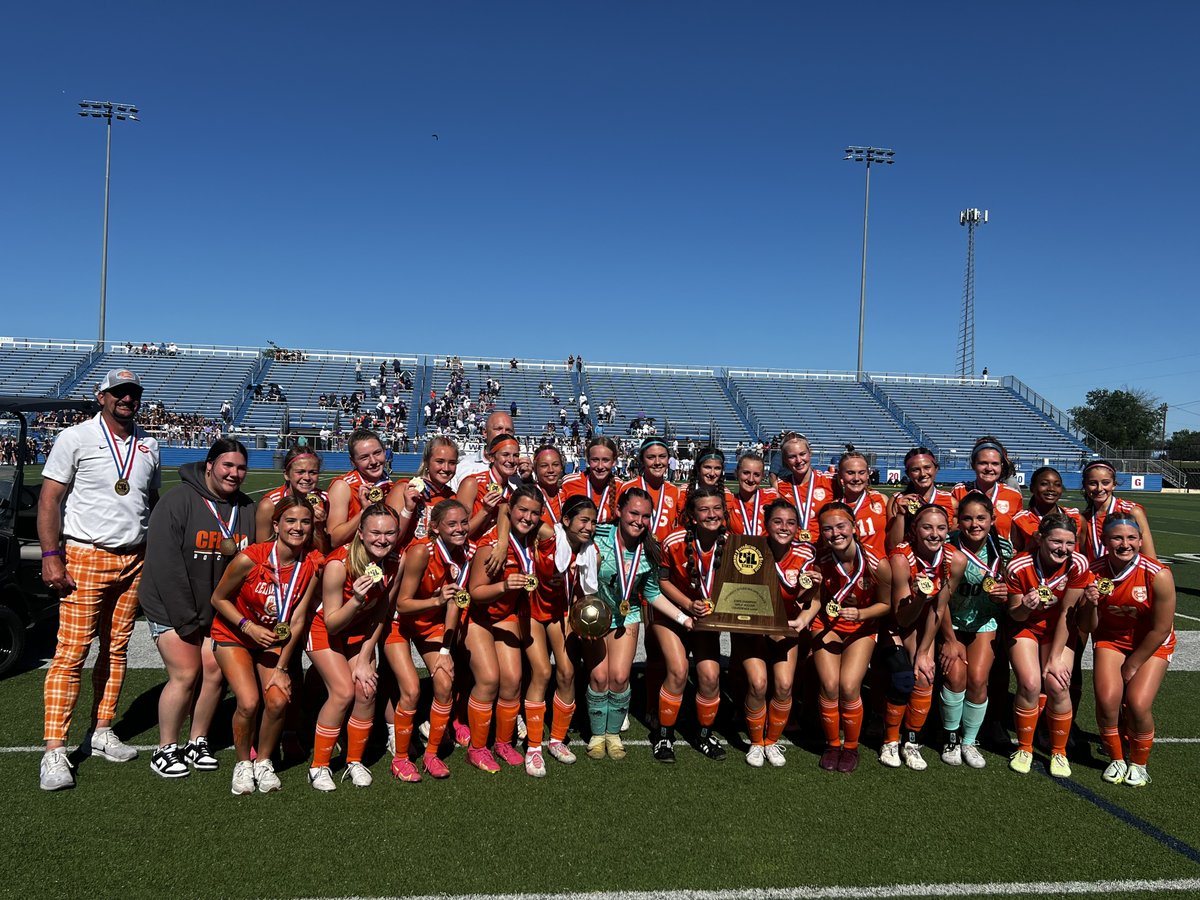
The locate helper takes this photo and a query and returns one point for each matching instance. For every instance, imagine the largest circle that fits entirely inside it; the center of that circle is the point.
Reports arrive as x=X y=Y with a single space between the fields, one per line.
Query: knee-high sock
x=563 y=712
x=777 y=718
x=668 y=707
x=401 y=727
x=597 y=702
x=535 y=722
x=756 y=723
x=618 y=708
x=439 y=718
x=919 y=705
x=323 y=742
x=1139 y=747
x=830 y=721
x=479 y=716
x=706 y=709
x=506 y=720
x=852 y=719
x=952 y=708
x=1026 y=721
x=972 y=720
x=1060 y=729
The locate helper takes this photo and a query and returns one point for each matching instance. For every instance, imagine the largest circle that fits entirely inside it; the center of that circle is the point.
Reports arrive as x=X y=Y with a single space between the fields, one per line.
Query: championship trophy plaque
x=747 y=598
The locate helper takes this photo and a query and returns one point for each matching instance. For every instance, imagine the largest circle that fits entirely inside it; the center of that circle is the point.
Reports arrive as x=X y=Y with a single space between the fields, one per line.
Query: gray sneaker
x=105 y=743
x=265 y=777
x=56 y=770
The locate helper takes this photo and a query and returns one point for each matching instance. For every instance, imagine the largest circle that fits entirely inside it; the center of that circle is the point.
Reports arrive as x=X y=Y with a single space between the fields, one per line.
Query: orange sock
x=1060 y=729
x=535 y=722
x=892 y=720
x=506 y=720
x=852 y=719
x=829 y=721
x=479 y=715
x=1041 y=703
x=706 y=710
x=918 y=709
x=1111 y=738
x=756 y=721
x=357 y=732
x=1026 y=720
x=439 y=718
x=402 y=728
x=563 y=713
x=777 y=719
x=668 y=707
x=323 y=743
x=1139 y=748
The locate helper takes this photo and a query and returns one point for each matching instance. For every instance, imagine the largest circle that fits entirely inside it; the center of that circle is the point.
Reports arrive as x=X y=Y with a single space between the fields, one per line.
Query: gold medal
x=989 y=584
x=833 y=609
x=282 y=632
x=417 y=484
x=1105 y=586
x=805 y=536
x=314 y=500
x=913 y=506
x=373 y=572
x=1045 y=594
x=925 y=584
x=121 y=487
x=375 y=494
x=228 y=547
x=805 y=580
x=493 y=488
x=462 y=599
x=624 y=608
x=531 y=583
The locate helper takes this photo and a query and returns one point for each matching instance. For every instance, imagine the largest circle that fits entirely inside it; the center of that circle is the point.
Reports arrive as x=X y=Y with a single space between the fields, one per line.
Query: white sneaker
x=1116 y=771
x=560 y=751
x=105 y=743
x=889 y=754
x=775 y=757
x=56 y=770
x=264 y=775
x=243 y=777
x=423 y=729
x=972 y=757
x=1137 y=776
x=321 y=779
x=756 y=756
x=952 y=755
x=522 y=731
x=391 y=742
x=535 y=765
x=625 y=724
x=359 y=775
x=912 y=757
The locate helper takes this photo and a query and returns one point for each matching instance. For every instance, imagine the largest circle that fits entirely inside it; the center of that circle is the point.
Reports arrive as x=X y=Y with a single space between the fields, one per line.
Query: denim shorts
x=157 y=630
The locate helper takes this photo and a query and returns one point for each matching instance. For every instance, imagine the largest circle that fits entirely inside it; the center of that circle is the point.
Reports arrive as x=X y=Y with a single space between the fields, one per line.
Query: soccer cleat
x=615 y=746
x=756 y=756
x=560 y=751
x=952 y=754
x=535 y=766
x=972 y=757
x=1021 y=762
x=482 y=759
x=321 y=779
x=522 y=730
x=1116 y=771
x=775 y=757
x=1137 y=776
x=508 y=753
x=403 y=769
x=462 y=734
x=56 y=770
x=830 y=758
x=104 y=742
x=911 y=754
x=265 y=777
x=360 y=775
x=198 y=756
x=243 y=778
x=889 y=754
x=707 y=744
x=625 y=724
x=597 y=748
x=664 y=747
x=433 y=766
x=848 y=761
x=1059 y=767
x=168 y=762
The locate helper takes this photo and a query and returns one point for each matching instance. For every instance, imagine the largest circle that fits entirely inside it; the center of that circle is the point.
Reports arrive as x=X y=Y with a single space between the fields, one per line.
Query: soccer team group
x=482 y=564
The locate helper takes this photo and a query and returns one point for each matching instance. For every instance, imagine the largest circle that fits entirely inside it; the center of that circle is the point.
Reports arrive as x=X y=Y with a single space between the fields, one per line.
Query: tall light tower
x=966 y=329
x=122 y=112
x=868 y=155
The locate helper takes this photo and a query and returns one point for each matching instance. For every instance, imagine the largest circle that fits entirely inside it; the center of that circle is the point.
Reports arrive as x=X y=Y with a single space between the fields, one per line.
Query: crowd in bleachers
x=162 y=348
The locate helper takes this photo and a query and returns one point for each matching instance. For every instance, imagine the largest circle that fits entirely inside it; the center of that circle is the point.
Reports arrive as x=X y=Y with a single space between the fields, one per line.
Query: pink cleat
x=434 y=766
x=462 y=734
x=404 y=769
x=508 y=753
x=481 y=758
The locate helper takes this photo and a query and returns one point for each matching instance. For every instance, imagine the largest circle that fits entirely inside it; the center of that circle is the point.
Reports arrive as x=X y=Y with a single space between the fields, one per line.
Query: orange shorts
x=420 y=627
x=1125 y=643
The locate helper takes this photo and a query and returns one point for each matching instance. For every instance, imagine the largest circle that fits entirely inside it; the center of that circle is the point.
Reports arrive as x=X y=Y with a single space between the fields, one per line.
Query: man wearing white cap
x=99 y=483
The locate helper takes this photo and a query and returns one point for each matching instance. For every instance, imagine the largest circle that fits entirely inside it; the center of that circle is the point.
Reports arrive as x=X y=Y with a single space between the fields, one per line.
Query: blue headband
x=987 y=445
x=650 y=442
x=1114 y=521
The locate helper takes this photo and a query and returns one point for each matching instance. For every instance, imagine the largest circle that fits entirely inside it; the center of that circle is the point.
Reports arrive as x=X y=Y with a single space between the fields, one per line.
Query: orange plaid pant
x=104 y=603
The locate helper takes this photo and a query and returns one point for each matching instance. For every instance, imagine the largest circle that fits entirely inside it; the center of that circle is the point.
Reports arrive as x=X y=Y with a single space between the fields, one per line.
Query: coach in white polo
x=99 y=483
x=497 y=423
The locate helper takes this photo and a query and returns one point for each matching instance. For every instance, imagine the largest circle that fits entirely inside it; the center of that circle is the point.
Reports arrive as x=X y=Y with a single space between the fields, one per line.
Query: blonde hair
x=357 y=558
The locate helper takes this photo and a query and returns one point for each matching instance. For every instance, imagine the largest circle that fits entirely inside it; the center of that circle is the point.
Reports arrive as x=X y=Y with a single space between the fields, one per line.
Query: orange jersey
x=511 y=603
x=870 y=521
x=273 y=496
x=665 y=502
x=680 y=566
x=1027 y=521
x=550 y=601
x=605 y=498
x=1093 y=525
x=1006 y=501
x=1126 y=614
x=354 y=481
x=363 y=623
x=1022 y=577
x=551 y=507
x=749 y=516
x=849 y=586
x=482 y=481
x=430 y=498
x=798 y=559
x=937 y=571
x=257 y=598
x=430 y=624
x=808 y=497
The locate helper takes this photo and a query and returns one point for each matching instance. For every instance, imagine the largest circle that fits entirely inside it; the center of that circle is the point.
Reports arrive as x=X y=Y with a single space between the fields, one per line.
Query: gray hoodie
x=183 y=562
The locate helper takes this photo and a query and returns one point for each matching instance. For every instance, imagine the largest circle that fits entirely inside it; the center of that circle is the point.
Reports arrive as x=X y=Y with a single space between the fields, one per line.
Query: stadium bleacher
x=519 y=385
x=685 y=402
x=37 y=368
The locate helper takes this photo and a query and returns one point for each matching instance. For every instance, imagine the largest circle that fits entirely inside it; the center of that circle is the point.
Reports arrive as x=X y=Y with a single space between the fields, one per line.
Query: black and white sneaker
x=168 y=762
x=198 y=756
x=707 y=743
x=664 y=747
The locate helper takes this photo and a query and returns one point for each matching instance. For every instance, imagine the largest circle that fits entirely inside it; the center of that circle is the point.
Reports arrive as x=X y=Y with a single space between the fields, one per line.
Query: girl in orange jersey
x=992 y=468
x=691 y=560
x=852 y=487
x=415 y=501
x=708 y=471
x=358 y=588
x=1045 y=490
x=261 y=606
x=652 y=467
x=1132 y=627
x=1044 y=585
x=429 y=607
x=486 y=494
x=301 y=477
x=1099 y=486
x=597 y=482
x=548 y=476
x=805 y=488
x=925 y=571
x=799 y=586
x=748 y=505
x=351 y=493
x=855 y=596
x=557 y=568
x=494 y=630
x=921 y=467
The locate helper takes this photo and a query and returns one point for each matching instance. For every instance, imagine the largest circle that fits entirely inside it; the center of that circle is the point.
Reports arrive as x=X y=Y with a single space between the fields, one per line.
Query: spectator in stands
x=172 y=349
x=512 y=364
x=570 y=362
x=358 y=371
x=513 y=410
x=579 y=363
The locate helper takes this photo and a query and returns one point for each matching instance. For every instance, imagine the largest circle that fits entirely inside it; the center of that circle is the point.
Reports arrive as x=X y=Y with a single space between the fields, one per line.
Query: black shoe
x=197 y=755
x=168 y=762
x=664 y=747
x=707 y=743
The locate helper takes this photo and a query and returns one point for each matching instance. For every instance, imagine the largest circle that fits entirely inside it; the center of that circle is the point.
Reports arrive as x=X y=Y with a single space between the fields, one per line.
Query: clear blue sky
x=677 y=165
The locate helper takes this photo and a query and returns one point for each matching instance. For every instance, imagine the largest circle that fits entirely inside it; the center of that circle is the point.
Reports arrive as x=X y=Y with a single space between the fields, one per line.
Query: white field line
x=1180 y=615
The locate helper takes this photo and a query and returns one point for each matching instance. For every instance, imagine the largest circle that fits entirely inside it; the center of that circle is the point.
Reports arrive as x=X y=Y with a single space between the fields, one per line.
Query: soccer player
x=748 y=506
x=852 y=487
x=417 y=497
x=301 y=478
x=992 y=468
x=802 y=486
x=921 y=467
x=597 y=482
x=1046 y=490
x=1099 y=486
x=349 y=494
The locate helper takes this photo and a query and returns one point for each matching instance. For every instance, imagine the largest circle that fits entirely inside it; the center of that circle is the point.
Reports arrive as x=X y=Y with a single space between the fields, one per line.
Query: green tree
x=1184 y=445
x=1128 y=418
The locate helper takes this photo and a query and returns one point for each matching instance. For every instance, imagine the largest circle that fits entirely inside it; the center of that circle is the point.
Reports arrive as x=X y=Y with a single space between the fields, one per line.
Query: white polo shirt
x=93 y=511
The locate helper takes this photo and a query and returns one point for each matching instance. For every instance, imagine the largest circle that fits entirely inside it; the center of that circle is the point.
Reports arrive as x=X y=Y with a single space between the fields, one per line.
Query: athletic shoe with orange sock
x=439 y=720
x=831 y=726
x=434 y=767
x=706 y=714
x=506 y=722
x=668 y=715
x=563 y=713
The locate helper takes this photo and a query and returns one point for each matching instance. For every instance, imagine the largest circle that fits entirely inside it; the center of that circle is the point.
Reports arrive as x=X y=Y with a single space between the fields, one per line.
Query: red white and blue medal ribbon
x=284 y=596
x=461 y=579
x=524 y=555
x=226 y=528
x=602 y=506
x=751 y=520
x=860 y=565
x=549 y=506
x=1096 y=532
x=930 y=569
x=662 y=498
x=993 y=554
x=626 y=579
x=1127 y=571
x=124 y=465
x=803 y=509
x=1053 y=582
x=706 y=577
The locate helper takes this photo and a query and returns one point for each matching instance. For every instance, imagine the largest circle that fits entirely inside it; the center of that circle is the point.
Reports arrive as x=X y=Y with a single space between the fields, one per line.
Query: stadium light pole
x=883 y=157
x=122 y=112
